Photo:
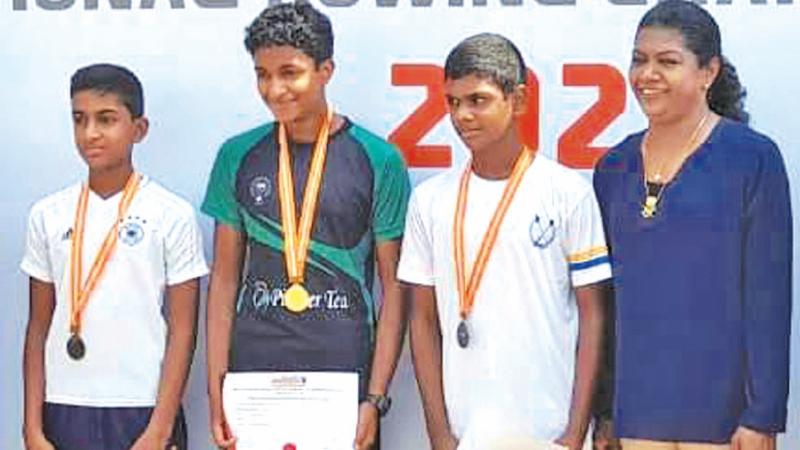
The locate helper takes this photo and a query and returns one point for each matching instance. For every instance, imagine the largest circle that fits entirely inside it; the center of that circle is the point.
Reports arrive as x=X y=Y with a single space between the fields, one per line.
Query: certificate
x=291 y=410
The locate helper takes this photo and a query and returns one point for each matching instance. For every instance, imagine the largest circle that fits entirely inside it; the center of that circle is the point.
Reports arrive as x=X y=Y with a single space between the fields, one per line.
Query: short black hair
x=297 y=25
x=110 y=79
x=702 y=37
x=487 y=55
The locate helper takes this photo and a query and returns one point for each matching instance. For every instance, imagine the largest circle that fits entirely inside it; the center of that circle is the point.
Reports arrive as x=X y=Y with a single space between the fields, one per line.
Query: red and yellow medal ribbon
x=80 y=294
x=467 y=291
x=297 y=240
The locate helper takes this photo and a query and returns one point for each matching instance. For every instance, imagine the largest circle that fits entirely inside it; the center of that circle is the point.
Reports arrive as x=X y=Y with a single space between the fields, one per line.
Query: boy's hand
x=746 y=439
x=38 y=442
x=571 y=440
x=223 y=438
x=367 y=428
x=150 y=440
x=603 y=436
x=446 y=442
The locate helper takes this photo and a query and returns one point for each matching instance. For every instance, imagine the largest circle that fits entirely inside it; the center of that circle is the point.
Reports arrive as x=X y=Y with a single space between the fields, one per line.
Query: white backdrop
x=199 y=89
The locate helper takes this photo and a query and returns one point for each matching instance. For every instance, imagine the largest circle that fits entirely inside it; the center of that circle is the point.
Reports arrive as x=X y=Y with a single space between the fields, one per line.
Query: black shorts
x=70 y=427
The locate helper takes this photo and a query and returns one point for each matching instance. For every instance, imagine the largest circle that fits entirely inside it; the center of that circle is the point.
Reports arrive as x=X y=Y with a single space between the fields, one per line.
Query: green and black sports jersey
x=362 y=201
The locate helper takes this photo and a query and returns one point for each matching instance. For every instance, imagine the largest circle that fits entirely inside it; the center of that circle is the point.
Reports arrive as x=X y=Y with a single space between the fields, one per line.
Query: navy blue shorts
x=70 y=427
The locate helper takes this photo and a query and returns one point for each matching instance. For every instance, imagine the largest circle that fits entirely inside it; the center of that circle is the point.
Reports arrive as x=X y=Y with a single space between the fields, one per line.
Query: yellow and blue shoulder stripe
x=588 y=258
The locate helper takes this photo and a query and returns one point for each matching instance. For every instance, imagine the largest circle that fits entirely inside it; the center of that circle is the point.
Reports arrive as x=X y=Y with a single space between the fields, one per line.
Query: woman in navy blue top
x=698 y=218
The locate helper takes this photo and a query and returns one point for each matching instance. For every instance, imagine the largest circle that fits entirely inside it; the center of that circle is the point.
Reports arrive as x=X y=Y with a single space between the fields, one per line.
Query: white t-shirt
x=123 y=327
x=515 y=378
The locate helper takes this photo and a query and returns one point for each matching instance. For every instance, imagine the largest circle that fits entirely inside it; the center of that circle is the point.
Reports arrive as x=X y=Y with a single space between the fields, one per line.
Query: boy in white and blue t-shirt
x=104 y=368
x=516 y=362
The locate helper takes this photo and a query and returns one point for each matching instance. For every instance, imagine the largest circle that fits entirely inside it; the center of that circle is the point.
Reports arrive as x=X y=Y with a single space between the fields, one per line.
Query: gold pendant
x=650 y=206
x=296 y=299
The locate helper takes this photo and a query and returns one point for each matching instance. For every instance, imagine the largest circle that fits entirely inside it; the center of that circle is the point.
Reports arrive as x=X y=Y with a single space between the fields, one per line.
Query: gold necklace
x=650 y=204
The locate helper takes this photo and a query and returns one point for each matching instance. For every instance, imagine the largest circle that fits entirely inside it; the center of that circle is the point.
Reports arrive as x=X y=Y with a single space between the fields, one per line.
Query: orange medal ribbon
x=296 y=241
x=467 y=291
x=80 y=295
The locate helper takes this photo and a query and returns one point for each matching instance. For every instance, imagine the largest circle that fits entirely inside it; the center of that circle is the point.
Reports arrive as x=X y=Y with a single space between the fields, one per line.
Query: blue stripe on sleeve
x=590 y=263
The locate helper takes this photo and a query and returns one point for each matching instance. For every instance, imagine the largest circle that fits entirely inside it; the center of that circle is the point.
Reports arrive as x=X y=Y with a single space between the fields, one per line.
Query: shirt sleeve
x=184 y=250
x=36 y=260
x=220 y=200
x=585 y=243
x=416 y=255
x=392 y=193
x=767 y=294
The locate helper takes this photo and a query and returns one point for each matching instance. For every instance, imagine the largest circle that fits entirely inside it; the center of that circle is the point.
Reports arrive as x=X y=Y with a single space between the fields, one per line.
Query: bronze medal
x=462 y=334
x=80 y=293
x=468 y=286
x=76 y=348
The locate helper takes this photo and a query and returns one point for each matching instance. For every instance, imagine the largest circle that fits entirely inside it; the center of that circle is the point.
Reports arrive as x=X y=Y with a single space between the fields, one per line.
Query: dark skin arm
x=223 y=285
x=426 y=351
x=591 y=318
x=182 y=301
x=42 y=303
x=603 y=430
x=389 y=339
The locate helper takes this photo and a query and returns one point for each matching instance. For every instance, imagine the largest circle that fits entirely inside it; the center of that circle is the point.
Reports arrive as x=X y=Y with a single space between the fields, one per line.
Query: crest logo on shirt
x=542 y=231
x=131 y=232
x=260 y=189
x=67 y=235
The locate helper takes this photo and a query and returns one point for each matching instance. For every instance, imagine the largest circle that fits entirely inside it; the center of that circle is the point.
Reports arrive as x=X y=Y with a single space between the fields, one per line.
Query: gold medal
x=297 y=240
x=296 y=299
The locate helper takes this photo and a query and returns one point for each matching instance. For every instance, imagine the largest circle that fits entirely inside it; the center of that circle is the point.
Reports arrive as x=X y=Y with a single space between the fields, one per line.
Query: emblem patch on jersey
x=542 y=231
x=260 y=189
x=131 y=232
x=67 y=235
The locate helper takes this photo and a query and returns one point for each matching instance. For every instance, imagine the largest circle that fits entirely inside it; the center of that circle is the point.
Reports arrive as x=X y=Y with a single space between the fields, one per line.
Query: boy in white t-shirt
x=507 y=258
x=103 y=368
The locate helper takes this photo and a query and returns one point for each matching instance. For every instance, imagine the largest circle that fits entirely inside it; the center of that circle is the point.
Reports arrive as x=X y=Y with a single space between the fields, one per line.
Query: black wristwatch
x=381 y=402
